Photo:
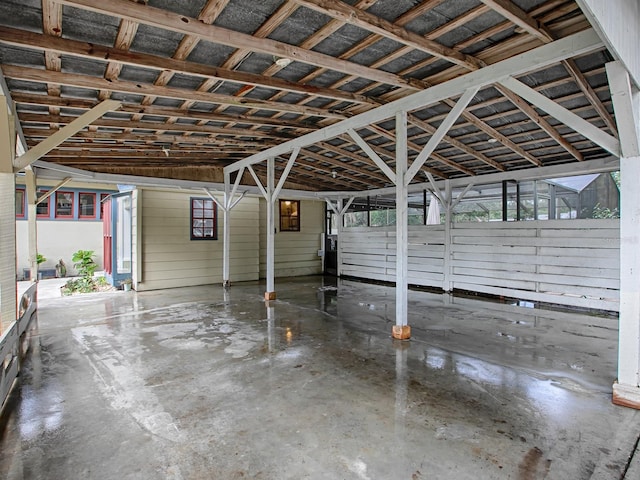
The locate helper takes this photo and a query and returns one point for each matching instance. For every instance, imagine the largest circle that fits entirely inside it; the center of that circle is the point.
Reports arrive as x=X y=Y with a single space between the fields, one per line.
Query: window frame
x=192 y=219
x=73 y=199
x=297 y=227
x=47 y=202
x=23 y=192
x=95 y=210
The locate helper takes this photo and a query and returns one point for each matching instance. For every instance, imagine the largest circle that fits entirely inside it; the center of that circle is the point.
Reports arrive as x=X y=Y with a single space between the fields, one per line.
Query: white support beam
x=386 y=169
x=447 y=284
x=52 y=190
x=436 y=190
x=626 y=106
x=334 y=208
x=32 y=219
x=235 y=186
x=626 y=390
x=580 y=125
x=64 y=133
x=574 y=45
x=441 y=131
x=258 y=182
x=226 y=232
x=285 y=174
x=236 y=201
x=461 y=196
x=401 y=330
x=618 y=24
x=220 y=204
x=270 y=293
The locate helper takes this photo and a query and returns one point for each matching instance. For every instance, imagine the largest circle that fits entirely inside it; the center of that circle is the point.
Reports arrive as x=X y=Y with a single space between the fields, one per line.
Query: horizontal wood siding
x=371 y=253
x=296 y=253
x=171 y=259
x=573 y=262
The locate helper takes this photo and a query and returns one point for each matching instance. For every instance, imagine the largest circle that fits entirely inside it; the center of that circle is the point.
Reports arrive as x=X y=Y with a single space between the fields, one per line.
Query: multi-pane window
x=42 y=209
x=203 y=219
x=64 y=204
x=87 y=205
x=289 y=215
x=20 y=203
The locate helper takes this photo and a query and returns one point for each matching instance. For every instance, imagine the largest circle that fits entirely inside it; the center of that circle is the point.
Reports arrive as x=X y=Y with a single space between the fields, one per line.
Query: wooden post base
x=626 y=396
x=226 y=283
x=269 y=296
x=401 y=332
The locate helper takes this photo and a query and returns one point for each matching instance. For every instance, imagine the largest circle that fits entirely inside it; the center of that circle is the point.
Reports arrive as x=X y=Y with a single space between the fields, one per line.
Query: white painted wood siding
x=171 y=259
x=296 y=253
x=557 y=261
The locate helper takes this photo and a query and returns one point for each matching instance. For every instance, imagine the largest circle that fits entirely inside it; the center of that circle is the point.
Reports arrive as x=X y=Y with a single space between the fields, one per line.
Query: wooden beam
x=163 y=19
x=350 y=15
x=570 y=119
x=57 y=138
x=627 y=114
x=137 y=88
x=372 y=155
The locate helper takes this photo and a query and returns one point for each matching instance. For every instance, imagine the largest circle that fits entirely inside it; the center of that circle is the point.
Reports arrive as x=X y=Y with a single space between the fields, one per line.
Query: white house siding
x=59 y=239
x=296 y=253
x=567 y=262
x=171 y=259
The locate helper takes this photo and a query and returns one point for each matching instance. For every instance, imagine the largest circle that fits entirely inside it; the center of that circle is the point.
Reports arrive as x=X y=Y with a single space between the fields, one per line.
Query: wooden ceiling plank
x=179 y=23
x=525 y=21
x=52 y=25
x=85 y=81
x=354 y=16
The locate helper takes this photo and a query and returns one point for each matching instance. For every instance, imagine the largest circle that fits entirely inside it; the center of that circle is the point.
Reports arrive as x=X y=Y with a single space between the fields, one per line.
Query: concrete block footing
x=269 y=296
x=401 y=332
x=626 y=395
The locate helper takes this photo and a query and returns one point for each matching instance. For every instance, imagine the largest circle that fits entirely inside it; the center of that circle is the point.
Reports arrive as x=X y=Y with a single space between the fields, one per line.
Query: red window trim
x=59 y=192
x=95 y=206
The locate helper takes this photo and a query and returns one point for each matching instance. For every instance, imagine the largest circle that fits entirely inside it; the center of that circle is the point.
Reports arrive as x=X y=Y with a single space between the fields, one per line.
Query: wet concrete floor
x=199 y=383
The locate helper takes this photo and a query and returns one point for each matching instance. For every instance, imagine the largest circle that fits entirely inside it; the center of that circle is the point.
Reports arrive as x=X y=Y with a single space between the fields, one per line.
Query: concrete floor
x=194 y=383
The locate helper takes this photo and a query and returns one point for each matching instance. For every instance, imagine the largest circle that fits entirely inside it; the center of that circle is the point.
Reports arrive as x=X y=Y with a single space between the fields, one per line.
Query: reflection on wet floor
x=207 y=383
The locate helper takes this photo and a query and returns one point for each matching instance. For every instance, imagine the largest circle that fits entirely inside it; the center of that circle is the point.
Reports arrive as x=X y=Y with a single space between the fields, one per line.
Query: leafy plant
x=40 y=258
x=85 y=263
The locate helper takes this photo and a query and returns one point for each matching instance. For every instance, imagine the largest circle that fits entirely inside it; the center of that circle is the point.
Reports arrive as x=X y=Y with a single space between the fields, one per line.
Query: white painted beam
x=386 y=169
x=270 y=293
x=618 y=24
x=402 y=230
x=285 y=174
x=64 y=133
x=441 y=131
x=32 y=220
x=52 y=190
x=567 y=47
x=580 y=125
x=626 y=106
x=4 y=91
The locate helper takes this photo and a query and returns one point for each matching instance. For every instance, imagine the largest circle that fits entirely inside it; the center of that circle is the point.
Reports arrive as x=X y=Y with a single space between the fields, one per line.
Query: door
x=118 y=255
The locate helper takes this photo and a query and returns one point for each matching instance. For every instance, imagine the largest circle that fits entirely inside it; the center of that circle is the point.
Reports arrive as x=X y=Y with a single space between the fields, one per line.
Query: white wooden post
x=448 y=207
x=340 y=224
x=8 y=286
x=32 y=198
x=401 y=329
x=626 y=103
x=270 y=293
x=226 y=232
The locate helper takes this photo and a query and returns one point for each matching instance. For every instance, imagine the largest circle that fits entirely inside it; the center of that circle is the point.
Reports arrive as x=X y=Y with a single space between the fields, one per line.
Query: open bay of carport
x=199 y=383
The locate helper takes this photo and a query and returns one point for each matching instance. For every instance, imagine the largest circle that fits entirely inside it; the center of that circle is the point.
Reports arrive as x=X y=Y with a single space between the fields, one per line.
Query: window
x=64 y=204
x=289 y=215
x=42 y=209
x=204 y=225
x=87 y=205
x=20 y=203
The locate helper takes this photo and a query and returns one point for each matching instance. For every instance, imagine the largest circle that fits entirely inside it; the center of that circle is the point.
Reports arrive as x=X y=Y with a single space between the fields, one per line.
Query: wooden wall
x=296 y=253
x=567 y=262
x=171 y=259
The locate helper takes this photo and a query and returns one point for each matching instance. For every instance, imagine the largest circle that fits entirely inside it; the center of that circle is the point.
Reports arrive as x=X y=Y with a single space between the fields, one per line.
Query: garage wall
x=59 y=239
x=171 y=259
x=296 y=253
x=567 y=262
